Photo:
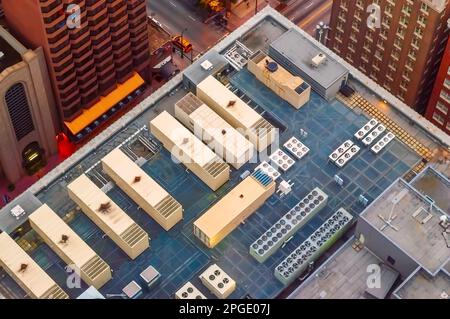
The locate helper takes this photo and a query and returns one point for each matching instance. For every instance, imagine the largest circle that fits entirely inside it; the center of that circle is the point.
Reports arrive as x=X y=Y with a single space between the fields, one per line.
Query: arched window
x=19 y=110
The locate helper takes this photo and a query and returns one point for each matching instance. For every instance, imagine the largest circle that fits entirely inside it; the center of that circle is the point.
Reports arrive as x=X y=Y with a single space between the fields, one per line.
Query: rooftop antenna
x=388 y=221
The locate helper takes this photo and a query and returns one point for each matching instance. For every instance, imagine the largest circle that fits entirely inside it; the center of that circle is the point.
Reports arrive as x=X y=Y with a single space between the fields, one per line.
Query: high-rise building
x=97 y=52
x=27 y=109
x=399 y=44
x=438 y=110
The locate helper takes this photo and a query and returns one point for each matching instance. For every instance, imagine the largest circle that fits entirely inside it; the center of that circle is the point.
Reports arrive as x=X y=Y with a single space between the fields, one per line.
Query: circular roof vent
x=272 y=66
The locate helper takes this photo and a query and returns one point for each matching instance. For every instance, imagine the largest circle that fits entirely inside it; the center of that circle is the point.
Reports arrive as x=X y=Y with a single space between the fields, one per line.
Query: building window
x=442 y=107
x=438 y=118
x=444 y=95
x=447 y=83
x=19 y=110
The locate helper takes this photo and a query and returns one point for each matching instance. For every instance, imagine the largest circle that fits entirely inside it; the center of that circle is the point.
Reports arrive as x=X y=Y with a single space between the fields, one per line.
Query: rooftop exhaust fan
x=271 y=66
x=231 y=103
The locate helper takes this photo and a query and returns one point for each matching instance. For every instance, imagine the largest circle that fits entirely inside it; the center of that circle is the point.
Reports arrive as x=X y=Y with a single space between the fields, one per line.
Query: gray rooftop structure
x=296 y=53
x=413 y=244
x=195 y=73
x=421 y=285
x=414 y=237
x=28 y=202
x=342 y=276
x=435 y=185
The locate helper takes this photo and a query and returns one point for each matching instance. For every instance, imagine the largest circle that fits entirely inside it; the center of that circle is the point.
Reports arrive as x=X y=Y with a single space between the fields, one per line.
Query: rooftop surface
x=177 y=254
x=422 y=286
x=343 y=276
x=196 y=73
x=28 y=202
x=433 y=184
x=422 y=241
x=298 y=50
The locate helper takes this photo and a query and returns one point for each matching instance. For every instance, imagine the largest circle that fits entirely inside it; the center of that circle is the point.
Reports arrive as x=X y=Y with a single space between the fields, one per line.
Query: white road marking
x=193 y=19
x=309 y=5
x=173 y=4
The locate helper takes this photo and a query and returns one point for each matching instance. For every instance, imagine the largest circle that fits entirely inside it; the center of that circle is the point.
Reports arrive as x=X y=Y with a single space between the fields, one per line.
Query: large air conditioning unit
x=218 y=282
x=319 y=59
x=268 y=243
x=281 y=160
x=366 y=129
x=382 y=143
x=344 y=159
x=340 y=150
x=269 y=170
x=374 y=134
x=313 y=247
x=296 y=148
x=189 y=291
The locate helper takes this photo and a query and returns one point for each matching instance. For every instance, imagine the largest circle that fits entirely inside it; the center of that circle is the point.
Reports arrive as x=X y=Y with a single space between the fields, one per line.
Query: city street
x=177 y=15
x=298 y=10
x=320 y=13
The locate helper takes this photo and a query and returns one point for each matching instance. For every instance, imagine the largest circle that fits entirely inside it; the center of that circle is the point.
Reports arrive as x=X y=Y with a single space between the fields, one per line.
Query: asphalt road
x=321 y=13
x=176 y=15
x=299 y=10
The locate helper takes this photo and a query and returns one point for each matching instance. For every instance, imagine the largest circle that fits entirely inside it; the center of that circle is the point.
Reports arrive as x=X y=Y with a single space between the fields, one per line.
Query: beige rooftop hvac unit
x=26 y=272
x=145 y=191
x=236 y=112
x=289 y=87
x=218 y=282
x=189 y=291
x=189 y=150
x=70 y=247
x=234 y=208
x=208 y=126
x=109 y=217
